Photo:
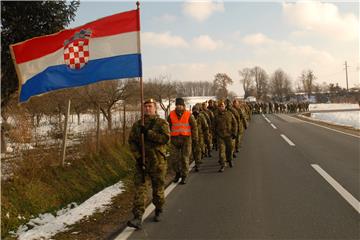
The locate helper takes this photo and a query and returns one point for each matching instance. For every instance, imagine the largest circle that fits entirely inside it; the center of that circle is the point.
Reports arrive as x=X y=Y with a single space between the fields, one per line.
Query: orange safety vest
x=180 y=127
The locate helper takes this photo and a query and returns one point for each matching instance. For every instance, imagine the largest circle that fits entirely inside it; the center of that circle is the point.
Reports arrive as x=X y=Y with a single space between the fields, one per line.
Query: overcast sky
x=195 y=40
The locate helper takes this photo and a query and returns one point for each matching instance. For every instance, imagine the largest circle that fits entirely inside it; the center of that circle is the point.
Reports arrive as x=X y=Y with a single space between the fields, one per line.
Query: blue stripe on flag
x=61 y=76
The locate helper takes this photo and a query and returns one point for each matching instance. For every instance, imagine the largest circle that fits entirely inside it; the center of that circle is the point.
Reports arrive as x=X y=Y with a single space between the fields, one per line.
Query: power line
x=330 y=74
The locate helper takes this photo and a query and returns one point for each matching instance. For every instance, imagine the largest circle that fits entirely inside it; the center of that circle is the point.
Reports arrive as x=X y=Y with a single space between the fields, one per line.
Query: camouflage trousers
x=155 y=174
x=238 y=139
x=198 y=150
x=207 y=144
x=180 y=156
x=225 y=149
x=214 y=141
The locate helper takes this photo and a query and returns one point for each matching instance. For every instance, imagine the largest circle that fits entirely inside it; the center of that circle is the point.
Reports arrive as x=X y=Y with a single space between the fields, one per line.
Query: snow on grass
x=332 y=106
x=47 y=225
x=350 y=119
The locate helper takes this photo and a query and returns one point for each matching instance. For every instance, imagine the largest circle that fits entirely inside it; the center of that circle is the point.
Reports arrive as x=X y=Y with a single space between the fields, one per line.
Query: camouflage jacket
x=156 y=137
x=236 y=115
x=224 y=124
x=243 y=118
x=202 y=126
x=210 y=114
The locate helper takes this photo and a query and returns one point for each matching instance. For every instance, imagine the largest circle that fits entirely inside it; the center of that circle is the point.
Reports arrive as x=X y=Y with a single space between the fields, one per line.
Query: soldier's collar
x=151 y=116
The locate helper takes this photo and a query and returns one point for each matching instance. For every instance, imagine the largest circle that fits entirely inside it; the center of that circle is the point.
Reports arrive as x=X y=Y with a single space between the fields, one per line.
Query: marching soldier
x=203 y=133
x=210 y=118
x=236 y=115
x=225 y=130
x=208 y=140
x=156 y=135
x=241 y=124
x=183 y=131
x=213 y=108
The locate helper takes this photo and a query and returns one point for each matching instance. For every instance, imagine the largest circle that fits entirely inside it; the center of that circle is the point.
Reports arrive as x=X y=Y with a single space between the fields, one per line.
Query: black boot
x=196 y=169
x=157 y=217
x=222 y=169
x=177 y=177
x=135 y=223
x=183 y=180
x=230 y=164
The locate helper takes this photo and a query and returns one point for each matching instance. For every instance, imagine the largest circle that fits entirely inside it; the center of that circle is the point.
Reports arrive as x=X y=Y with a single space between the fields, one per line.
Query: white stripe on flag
x=103 y=47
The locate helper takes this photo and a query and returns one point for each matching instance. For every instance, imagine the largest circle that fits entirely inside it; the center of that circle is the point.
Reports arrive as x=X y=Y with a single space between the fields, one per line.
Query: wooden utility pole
x=124 y=122
x=346 y=72
x=98 y=127
x=63 y=152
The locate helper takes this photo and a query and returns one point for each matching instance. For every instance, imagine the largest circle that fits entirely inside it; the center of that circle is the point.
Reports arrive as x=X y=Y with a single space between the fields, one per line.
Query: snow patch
x=332 y=106
x=349 y=119
x=47 y=225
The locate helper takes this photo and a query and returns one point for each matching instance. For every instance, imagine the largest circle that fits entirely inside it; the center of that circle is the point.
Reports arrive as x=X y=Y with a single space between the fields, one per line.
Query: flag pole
x=141 y=94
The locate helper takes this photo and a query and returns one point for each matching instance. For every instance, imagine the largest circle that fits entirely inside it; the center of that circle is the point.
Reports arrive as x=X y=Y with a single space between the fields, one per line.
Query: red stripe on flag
x=40 y=46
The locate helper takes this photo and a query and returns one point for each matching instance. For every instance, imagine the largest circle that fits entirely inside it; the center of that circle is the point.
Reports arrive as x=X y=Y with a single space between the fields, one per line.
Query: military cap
x=221 y=102
x=150 y=100
x=179 y=101
x=195 y=108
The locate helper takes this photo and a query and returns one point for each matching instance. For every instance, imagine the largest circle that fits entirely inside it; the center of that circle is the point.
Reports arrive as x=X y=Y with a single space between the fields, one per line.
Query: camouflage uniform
x=203 y=132
x=242 y=126
x=208 y=139
x=225 y=130
x=214 y=110
x=180 y=148
x=239 y=128
x=156 y=136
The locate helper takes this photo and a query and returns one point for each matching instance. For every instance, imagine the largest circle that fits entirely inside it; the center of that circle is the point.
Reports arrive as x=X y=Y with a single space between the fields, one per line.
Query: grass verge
x=37 y=187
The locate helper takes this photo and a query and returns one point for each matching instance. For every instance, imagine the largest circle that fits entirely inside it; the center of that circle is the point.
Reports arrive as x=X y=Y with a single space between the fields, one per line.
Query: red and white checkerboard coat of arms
x=76 y=50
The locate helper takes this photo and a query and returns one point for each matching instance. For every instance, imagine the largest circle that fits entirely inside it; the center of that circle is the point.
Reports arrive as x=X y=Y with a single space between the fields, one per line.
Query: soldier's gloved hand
x=140 y=163
x=143 y=130
x=150 y=135
x=233 y=136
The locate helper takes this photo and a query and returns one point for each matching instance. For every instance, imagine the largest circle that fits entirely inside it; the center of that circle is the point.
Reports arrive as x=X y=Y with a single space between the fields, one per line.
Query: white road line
x=342 y=191
x=126 y=233
x=266 y=118
x=287 y=140
x=273 y=126
x=352 y=135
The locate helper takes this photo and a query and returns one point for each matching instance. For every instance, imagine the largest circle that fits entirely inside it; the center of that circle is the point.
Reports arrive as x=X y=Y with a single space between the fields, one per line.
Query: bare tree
x=261 y=82
x=280 y=85
x=246 y=80
x=307 y=79
x=221 y=82
x=162 y=89
x=195 y=88
x=105 y=95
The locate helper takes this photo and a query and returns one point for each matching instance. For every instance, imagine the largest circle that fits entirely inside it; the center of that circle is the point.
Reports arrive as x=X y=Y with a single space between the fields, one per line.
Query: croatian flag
x=105 y=49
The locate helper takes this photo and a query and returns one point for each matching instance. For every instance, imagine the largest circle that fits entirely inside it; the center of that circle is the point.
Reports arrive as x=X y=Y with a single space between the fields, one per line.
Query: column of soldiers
x=187 y=135
x=276 y=107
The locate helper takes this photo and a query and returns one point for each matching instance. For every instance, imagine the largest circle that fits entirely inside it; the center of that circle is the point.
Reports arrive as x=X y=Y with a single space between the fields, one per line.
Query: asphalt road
x=274 y=191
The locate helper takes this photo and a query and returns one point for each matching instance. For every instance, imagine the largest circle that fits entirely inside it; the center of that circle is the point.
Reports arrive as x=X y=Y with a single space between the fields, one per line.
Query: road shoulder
x=344 y=129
